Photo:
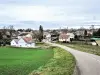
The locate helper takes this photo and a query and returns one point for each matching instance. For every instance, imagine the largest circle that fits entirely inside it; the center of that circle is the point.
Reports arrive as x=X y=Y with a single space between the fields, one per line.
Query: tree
x=1 y=37
x=4 y=30
x=40 y=33
x=28 y=30
x=85 y=33
x=11 y=28
x=55 y=32
x=21 y=30
x=97 y=33
x=76 y=37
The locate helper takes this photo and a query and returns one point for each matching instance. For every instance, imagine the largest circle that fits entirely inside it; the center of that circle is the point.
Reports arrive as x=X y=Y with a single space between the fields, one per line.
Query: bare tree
x=85 y=33
x=4 y=30
x=11 y=29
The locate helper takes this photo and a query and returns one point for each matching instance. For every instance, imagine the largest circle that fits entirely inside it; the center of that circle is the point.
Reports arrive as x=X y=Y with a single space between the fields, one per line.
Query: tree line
x=97 y=33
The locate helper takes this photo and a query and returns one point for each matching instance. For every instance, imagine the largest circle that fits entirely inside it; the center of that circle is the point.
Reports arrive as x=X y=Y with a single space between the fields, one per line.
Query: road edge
x=76 y=70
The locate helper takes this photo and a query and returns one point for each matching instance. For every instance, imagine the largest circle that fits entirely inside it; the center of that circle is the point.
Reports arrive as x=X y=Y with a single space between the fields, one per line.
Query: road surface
x=88 y=64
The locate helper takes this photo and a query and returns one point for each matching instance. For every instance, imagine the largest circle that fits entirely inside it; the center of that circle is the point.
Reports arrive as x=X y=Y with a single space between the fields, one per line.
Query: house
x=23 y=41
x=81 y=34
x=71 y=35
x=14 y=42
x=66 y=37
x=26 y=42
x=54 y=37
x=48 y=37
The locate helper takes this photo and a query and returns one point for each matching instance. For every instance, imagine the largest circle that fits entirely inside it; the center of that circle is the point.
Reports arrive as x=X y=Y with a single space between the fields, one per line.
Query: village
x=28 y=37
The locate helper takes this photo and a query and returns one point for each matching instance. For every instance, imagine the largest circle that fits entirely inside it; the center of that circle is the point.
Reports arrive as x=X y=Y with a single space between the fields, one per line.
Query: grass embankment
x=81 y=46
x=21 y=61
x=63 y=63
x=41 y=44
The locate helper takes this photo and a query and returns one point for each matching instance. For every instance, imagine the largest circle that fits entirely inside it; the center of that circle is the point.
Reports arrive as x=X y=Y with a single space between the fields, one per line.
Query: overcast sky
x=49 y=13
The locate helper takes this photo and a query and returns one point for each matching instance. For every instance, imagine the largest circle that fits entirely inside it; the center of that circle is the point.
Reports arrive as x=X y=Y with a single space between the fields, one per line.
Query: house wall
x=48 y=37
x=62 y=40
x=33 y=45
x=71 y=35
x=67 y=40
x=22 y=43
x=26 y=45
x=13 y=43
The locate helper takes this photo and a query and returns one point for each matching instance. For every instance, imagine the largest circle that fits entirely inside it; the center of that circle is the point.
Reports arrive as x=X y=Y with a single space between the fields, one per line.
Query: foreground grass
x=84 y=47
x=63 y=63
x=20 y=61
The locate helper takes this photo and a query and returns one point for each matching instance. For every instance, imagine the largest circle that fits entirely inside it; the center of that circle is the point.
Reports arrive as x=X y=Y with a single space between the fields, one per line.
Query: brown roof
x=28 y=39
x=63 y=36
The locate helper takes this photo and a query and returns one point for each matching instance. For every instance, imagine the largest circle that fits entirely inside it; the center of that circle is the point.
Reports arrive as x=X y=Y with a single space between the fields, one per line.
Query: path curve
x=88 y=64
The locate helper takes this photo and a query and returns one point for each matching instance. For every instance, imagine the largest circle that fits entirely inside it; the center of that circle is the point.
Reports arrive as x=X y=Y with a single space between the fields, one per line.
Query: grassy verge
x=41 y=44
x=21 y=61
x=63 y=63
x=84 y=47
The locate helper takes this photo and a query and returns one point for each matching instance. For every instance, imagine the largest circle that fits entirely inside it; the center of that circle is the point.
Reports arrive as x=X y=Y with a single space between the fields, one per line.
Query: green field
x=20 y=61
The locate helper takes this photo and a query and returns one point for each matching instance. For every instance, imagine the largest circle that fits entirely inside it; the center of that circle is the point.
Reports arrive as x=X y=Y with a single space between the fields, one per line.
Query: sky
x=51 y=14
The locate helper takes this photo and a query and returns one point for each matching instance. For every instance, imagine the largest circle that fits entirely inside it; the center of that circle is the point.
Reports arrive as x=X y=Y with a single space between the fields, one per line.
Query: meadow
x=21 y=61
x=82 y=46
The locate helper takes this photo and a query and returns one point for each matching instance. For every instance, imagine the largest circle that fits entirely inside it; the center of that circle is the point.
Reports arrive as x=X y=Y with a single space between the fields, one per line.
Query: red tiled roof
x=27 y=39
x=63 y=36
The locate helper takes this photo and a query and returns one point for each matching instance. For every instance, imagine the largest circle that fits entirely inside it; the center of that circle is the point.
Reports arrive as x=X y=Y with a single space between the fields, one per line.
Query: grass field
x=20 y=61
x=81 y=46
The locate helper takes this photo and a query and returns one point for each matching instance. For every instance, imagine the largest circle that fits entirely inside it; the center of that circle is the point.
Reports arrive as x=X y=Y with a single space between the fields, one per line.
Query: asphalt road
x=88 y=64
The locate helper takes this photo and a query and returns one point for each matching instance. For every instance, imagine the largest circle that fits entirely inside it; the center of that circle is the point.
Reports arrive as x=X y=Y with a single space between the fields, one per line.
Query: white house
x=48 y=37
x=14 y=42
x=23 y=41
x=71 y=35
x=66 y=37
